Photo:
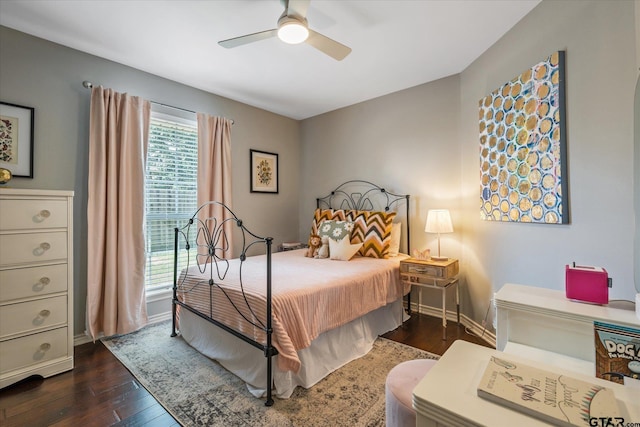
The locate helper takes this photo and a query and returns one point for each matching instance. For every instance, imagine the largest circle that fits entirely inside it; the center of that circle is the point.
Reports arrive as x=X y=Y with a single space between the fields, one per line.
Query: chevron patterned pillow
x=373 y=230
x=326 y=215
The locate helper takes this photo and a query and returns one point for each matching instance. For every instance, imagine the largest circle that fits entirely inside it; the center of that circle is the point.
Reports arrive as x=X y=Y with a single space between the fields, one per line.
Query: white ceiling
x=396 y=44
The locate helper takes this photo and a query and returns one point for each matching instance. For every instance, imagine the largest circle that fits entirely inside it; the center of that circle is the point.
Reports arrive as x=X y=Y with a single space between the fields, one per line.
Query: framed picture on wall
x=16 y=139
x=264 y=172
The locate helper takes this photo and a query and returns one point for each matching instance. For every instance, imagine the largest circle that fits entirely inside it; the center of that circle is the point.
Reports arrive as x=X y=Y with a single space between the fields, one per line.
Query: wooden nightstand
x=432 y=274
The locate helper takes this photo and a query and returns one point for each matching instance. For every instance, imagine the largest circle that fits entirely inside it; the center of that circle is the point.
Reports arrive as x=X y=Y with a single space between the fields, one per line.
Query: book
x=617 y=352
x=554 y=398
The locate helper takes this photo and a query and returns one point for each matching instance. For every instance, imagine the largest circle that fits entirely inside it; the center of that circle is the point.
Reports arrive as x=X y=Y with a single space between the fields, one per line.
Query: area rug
x=197 y=391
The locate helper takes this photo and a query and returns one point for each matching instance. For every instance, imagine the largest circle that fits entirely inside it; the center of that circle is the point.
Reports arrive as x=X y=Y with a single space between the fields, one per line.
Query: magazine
x=557 y=399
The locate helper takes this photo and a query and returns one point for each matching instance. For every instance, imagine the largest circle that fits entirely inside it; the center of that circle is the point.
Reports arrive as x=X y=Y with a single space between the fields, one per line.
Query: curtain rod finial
x=87 y=84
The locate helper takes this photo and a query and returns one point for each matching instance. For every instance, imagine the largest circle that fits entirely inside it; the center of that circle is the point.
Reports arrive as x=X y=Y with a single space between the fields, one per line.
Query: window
x=170 y=192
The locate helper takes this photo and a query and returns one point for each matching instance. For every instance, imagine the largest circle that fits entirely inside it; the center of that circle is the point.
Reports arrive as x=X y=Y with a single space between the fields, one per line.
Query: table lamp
x=438 y=221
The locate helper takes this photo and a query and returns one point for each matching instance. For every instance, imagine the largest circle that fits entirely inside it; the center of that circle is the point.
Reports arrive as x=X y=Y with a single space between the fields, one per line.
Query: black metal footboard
x=206 y=241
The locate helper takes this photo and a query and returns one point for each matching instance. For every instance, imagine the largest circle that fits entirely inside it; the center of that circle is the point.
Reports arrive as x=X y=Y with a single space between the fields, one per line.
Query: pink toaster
x=587 y=284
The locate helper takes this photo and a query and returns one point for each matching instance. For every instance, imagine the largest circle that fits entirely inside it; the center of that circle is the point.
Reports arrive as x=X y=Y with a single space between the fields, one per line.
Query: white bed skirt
x=328 y=352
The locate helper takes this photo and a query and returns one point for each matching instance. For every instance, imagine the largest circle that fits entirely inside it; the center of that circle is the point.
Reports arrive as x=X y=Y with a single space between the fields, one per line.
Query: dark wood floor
x=100 y=391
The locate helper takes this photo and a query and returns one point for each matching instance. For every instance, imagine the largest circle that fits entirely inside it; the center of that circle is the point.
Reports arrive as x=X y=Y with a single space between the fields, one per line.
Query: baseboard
x=85 y=338
x=81 y=339
x=470 y=325
x=161 y=317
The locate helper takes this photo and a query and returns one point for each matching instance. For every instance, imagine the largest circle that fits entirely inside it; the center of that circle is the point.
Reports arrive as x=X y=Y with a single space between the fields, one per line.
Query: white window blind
x=170 y=192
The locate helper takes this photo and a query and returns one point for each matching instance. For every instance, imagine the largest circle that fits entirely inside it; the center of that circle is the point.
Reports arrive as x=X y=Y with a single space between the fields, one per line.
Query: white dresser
x=36 y=283
x=543 y=324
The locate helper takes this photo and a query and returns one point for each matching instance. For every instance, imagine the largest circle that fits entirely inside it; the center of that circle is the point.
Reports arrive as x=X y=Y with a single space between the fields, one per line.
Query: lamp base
x=440 y=258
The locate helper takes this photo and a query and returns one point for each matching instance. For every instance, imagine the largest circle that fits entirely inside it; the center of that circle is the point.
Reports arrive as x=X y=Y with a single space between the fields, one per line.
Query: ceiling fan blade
x=336 y=50
x=249 y=38
x=297 y=8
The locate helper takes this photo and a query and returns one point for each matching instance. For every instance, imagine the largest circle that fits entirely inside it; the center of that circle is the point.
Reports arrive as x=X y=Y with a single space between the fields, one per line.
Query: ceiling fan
x=293 y=29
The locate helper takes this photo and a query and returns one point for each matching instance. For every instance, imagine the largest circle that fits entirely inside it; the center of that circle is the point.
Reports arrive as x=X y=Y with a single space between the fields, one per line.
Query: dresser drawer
x=32 y=281
x=28 y=316
x=31 y=349
x=32 y=214
x=32 y=247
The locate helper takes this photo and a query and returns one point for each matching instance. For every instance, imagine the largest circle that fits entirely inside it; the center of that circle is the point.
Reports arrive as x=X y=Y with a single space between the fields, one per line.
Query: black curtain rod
x=89 y=85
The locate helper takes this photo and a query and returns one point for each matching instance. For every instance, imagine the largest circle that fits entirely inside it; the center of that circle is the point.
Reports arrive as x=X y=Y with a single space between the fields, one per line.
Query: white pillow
x=394 y=244
x=343 y=250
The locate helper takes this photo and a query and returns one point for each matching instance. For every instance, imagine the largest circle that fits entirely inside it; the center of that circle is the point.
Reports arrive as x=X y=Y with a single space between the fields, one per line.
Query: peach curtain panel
x=214 y=168
x=118 y=137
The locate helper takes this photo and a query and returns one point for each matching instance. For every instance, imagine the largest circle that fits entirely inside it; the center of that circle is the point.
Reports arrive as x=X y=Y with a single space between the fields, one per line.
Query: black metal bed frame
x=208 y=238
x=363 y=195
x=212 y=244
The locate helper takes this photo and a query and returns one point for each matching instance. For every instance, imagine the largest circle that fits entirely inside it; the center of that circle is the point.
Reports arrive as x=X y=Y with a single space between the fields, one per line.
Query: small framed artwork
x=264 y=172
x=16 y=139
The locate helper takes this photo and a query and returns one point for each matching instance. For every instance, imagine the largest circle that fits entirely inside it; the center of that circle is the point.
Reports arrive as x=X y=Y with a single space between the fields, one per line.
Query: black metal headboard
x=365 y=196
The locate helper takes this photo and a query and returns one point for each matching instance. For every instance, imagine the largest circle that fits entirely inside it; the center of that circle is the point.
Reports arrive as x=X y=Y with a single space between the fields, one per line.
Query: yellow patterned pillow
x=373 y=230
x=325 y=215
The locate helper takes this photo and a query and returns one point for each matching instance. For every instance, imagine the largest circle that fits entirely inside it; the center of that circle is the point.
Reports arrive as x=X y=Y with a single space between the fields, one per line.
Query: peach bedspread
x=309 y=296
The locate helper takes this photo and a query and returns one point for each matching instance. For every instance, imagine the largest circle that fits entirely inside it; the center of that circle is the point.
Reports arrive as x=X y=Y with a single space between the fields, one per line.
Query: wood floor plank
x=101 y=392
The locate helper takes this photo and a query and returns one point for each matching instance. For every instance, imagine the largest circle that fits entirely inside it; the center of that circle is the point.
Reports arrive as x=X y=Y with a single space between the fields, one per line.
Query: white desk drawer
x=32 y=247
x=32 y=349
x=29 y=316
x=32 y=214
x=32 y=281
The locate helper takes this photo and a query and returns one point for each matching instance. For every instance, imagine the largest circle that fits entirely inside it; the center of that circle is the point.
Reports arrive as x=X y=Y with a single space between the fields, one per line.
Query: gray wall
x=406 y=142
x=636 y=187
x=47 y=76
x=424 y=141
x=599 y=39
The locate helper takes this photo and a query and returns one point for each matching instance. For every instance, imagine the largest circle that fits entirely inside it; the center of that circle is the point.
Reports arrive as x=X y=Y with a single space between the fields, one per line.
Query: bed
x=279 y=320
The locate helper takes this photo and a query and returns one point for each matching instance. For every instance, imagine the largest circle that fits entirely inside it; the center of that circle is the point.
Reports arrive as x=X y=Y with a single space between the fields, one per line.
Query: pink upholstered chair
x=401 y=381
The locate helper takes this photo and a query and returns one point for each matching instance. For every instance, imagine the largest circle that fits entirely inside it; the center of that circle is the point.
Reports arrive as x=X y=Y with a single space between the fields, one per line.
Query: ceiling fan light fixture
x=293 y=32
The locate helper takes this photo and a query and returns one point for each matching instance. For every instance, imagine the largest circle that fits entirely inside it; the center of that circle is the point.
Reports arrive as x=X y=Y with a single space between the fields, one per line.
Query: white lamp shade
x=438 y=221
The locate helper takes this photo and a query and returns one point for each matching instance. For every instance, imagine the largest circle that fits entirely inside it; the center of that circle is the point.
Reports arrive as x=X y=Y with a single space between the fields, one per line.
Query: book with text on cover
x=557 y=399
x=617 y=352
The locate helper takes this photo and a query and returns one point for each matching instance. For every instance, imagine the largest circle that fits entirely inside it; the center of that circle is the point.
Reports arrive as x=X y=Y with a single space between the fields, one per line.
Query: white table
x=447 y=395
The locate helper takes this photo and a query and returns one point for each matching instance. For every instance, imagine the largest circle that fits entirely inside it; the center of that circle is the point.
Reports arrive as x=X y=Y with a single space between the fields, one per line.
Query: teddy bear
x=314 y=245
x=323 y=252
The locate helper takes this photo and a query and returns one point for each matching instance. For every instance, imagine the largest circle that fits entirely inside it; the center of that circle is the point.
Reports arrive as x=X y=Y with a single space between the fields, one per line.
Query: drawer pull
x=40 y=284
x=41 y=318
x=44 y=246
x=42 y=215
x=42 y=349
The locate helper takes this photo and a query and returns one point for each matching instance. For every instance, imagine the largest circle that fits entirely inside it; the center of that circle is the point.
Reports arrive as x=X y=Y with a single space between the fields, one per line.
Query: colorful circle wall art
x=523 y=173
